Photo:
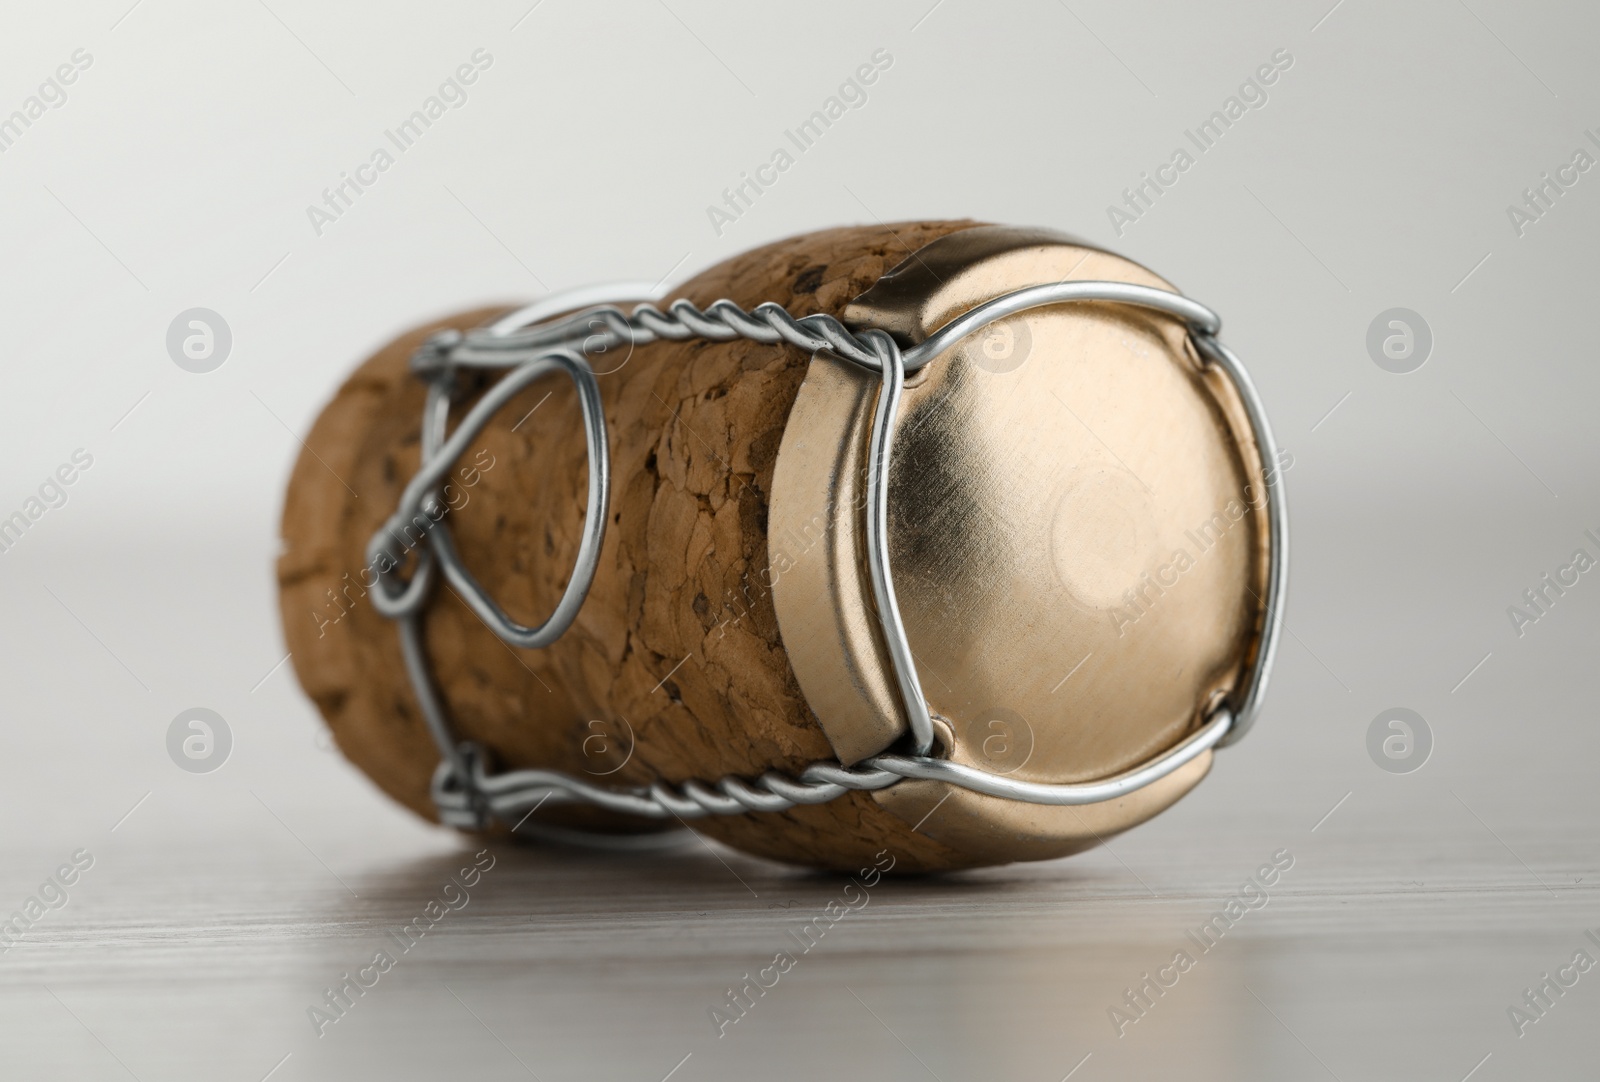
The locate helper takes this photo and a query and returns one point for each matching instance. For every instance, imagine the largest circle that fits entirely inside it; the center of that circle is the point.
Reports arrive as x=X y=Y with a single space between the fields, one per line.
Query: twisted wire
x=507 y=795
x=468 y=795
x=721 y=321
x=600 y=328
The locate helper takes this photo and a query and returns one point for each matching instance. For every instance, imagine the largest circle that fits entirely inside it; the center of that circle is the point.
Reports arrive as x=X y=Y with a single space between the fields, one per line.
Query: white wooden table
x=220 y=907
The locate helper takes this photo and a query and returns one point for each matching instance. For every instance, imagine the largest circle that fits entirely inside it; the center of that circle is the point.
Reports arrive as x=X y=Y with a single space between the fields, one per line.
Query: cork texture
x=675 y=668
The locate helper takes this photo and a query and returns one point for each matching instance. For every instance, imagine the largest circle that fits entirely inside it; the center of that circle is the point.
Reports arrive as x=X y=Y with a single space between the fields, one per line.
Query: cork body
x=675 y=668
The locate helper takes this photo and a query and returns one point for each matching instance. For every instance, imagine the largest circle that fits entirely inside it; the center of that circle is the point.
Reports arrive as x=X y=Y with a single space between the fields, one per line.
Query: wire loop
x=530 y=343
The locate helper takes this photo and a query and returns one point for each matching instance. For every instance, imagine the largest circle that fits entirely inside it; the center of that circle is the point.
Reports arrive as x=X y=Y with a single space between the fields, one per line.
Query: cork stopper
x=674 y=668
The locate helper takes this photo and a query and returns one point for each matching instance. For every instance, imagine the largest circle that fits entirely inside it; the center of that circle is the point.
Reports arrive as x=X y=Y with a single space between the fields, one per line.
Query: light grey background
x=177 y=174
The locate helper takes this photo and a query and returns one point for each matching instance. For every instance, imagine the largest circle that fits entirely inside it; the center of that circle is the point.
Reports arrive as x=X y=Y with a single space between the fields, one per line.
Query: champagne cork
x=675 y=668
x=1086 y=552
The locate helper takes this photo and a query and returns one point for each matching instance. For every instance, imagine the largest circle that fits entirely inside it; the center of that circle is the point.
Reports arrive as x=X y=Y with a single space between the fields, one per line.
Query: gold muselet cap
x=1078 y=531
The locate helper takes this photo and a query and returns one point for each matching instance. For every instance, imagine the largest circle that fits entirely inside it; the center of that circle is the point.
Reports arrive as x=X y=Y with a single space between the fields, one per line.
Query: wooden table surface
x=220 y=907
